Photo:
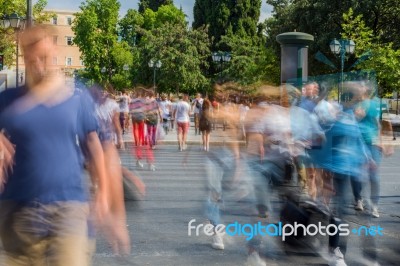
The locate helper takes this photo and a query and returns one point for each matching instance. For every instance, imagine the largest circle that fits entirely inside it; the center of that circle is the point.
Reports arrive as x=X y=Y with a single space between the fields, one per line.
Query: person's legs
x=207 y=140
x=135 y=129
x=301 y=172
x=69 y=235
x=141 y=133
x=126 y=121
x=337 y=243
x=184 y=134
x=312 y=188
x=22 y=233
x=115 y=224
x=356 y=185
x=122 y=121
x=203 y=138
x=180 y=135
x=376 y=154
x=196 y=123
x=165 y=125
x=260 y=185
x=153 y=135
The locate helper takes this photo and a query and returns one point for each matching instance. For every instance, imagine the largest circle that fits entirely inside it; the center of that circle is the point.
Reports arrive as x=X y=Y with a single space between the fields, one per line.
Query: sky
x=187 y=6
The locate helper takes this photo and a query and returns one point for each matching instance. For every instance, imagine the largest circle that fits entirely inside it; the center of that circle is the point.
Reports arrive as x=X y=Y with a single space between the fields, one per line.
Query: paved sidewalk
x=221 y=137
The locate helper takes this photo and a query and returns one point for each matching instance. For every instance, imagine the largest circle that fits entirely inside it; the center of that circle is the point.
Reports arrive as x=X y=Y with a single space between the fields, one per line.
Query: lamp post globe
x=335 y=46
x=221 y=58
x=342 y=47
x=154 y=64
x=17 y=23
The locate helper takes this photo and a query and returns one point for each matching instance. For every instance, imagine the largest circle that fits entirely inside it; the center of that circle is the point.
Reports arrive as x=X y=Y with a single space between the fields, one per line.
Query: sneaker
x=375 y=212
x=217 y=242
x=254 y=259
x=359 y=206
x=139 y=164
x=152 y=167
x=337 y=258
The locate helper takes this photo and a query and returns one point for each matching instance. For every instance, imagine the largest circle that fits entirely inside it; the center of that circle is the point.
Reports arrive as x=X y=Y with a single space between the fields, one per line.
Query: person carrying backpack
x=196 y=107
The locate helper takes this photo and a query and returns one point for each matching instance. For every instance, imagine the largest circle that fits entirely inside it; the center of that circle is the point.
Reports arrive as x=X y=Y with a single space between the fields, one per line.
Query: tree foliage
x=7 y=36
x=153 y=4
x=226 y=17
x=163 y=36
x=251 y=62
x=371 y=21
x=95 y=29
x=384 y=59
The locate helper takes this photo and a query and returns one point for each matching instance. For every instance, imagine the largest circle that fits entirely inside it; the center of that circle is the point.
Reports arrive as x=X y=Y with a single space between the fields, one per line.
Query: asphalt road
x=177 y=193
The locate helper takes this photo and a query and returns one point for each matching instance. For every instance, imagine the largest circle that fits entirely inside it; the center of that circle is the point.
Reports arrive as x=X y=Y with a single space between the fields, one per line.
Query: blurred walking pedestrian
x=44 y=205
x=205 y=123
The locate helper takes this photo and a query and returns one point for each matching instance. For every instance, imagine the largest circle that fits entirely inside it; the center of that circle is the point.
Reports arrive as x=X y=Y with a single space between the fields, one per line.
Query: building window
x=69 y=21
x=55 y=61
x=68 y=61
x=54 y=20
x=81 y=62
x=69 y=40
x=55 y=38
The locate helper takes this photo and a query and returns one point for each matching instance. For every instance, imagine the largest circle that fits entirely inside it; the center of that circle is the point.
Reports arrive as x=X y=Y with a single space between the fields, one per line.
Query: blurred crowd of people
x=313 y=152
x=302 y=146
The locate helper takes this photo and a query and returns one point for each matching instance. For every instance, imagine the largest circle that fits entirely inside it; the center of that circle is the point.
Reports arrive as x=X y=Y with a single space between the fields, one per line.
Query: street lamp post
x=29 y=14
x=154 y=64
x=221 y=58
x=109 y=72
x=342 y=47
x=17 y=23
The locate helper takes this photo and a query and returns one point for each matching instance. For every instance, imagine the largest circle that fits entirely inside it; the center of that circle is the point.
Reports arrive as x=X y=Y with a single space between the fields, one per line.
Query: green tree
x=182 y=51
x=227 y=16
x=165 y=14
x=324 y=20
x=7 y=36
x=153 y=4
x=252 y=61
x=96 y=35
x=129 y=27
x=384 y=59
x=163 y=35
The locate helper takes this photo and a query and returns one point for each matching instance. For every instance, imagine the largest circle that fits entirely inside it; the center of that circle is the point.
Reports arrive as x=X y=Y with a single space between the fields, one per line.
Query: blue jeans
x=373 y=173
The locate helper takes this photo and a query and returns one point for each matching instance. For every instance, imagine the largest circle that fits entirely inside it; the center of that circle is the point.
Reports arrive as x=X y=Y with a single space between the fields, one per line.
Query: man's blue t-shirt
x=48 y=160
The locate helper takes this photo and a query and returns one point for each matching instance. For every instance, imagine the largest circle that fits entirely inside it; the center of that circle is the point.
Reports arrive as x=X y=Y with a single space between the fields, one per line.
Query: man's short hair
x=33 y=35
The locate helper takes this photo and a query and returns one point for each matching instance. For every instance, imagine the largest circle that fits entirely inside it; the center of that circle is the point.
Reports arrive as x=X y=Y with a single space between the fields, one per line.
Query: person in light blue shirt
x=368 y=113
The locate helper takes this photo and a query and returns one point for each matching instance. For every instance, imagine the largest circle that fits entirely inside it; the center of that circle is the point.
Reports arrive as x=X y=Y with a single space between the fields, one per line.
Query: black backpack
x=198 y=105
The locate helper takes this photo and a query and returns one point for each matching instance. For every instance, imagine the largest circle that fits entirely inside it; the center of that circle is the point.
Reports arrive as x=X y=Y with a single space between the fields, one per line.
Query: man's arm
x=97 y=160
x=118 y=130
x=7 y=151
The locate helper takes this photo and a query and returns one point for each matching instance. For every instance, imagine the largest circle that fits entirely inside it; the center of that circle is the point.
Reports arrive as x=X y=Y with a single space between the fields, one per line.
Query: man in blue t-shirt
x=43 y=203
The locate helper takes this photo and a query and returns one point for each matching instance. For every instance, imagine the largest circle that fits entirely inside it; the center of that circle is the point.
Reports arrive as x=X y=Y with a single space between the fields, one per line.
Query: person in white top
x=165 y=106
x=181 y=114
x=197 y=105
x=124 y=101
